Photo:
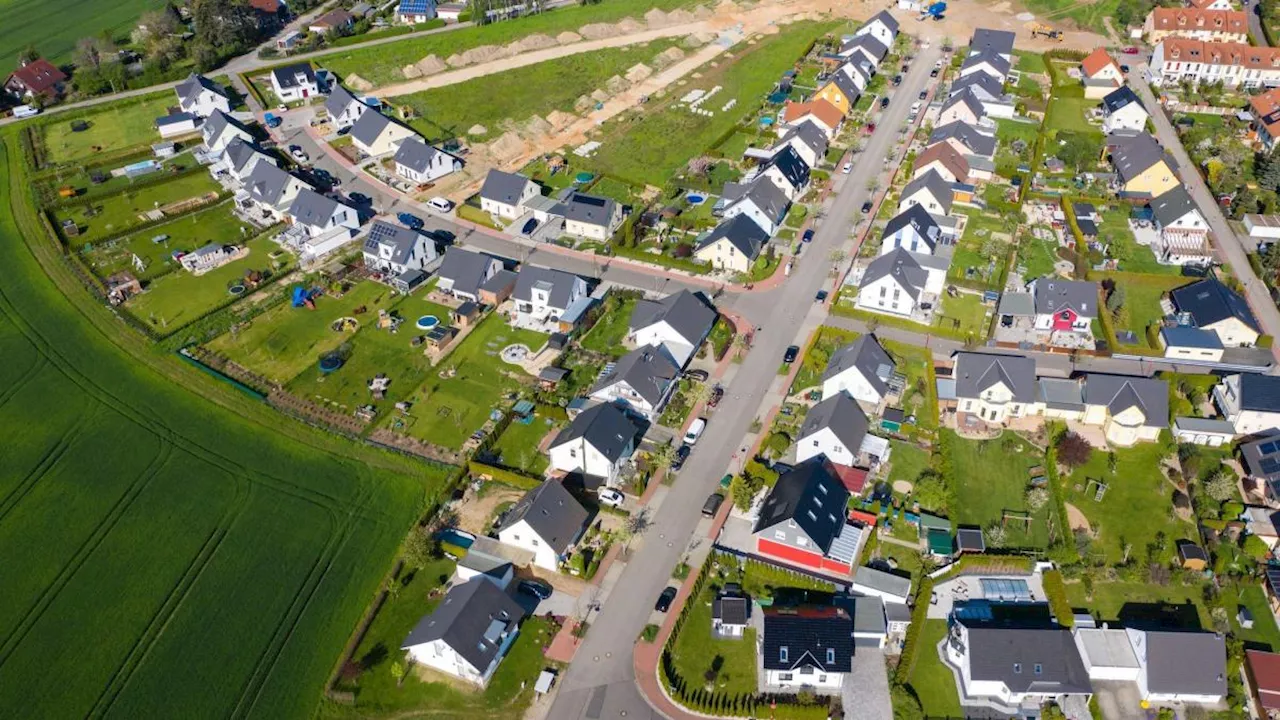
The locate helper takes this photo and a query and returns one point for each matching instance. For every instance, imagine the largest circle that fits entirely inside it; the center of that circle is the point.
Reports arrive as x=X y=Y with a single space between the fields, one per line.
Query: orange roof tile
x=1096 y=61
x=1265 y=669
x=947 y=155
x=1178 y=49
x=823 y=110
x=1188 y=19
x=1266 y=108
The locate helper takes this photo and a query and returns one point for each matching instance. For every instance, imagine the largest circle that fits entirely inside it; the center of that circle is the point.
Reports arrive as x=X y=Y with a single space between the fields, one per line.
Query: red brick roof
x=266 y=6
x=1179 y=49
x=829 y=114
x=1194 y=19
x=38 y=76
x=1266 y=109
x=1096 y=61
x=853 y=479
x=944 y=153
x=1264 y=667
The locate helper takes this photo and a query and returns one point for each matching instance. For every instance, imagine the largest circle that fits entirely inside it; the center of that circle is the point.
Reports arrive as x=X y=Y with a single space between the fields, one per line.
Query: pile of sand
x=726 y=7
x=476 y=55
x=670 y=56
x=536 y=41
x=697 y=40
x=411 y=72
x=702 y=12
x=655 y=18
x=566 y=38
x=430 y=65
x=638 y=73
x=629 y=26
x=583 y=104
x=616 y=84
x=508 y=145
x=600 y=96
x=680 y=17
x=355 y=82
x=560 y=120
x=598 y=31
x=536 y=127
x=477 y=130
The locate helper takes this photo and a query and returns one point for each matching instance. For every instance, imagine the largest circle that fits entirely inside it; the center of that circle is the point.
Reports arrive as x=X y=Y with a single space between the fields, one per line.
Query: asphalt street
x=1252 y=8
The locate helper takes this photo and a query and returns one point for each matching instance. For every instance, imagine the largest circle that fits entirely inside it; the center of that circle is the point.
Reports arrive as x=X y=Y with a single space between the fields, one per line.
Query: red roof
x=852 y=478
x=1264 y=667
x=39 y=76
x=1096 y=61
x=865 y=518
x=266 y=6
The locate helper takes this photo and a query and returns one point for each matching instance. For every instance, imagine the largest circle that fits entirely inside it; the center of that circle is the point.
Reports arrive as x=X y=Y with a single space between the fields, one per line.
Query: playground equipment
x=1040 y=29
x=330 y=362
x=937 y=11
x=378 y=386
x=305 y=298
x=387 y=321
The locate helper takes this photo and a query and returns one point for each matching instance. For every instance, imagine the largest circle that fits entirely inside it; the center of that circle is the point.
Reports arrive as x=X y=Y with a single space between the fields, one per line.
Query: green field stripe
x=47 y=463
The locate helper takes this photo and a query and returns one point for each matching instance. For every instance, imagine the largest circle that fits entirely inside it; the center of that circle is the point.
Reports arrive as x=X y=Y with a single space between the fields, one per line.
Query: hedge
x=919 y=614
x=1056 y=592
x=504 y=476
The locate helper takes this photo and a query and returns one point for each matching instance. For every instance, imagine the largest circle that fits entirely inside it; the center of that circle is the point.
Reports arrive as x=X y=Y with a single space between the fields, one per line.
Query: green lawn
x=695 y=651
x=1009 y=130
x=1142 y=299
x=116 y=213
x=1110 y=598
x=1134 y=258
x=816 y=356
x=931 y=680
x=112 y=128
x=651 y=148
x=187 y=233
x=607 y=334
x=284 y=341
x=1136 y=483
x=522 y=92
x=1070 y=114
x=1086 y=16
x=1036 y=256
x=180 y=297
x=1264 y=632
x=446 y=410
x=517 y=446
x=908 y=460
x=913 y=362
x=965 y=313
x=990 y=478
x=970 y=265
x=1029 y=62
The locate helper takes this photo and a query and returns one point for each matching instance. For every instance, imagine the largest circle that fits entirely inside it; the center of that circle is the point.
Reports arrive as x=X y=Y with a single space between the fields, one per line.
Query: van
x=440 y=205
x=695 y=431
x=915 y=107
x=25 y=111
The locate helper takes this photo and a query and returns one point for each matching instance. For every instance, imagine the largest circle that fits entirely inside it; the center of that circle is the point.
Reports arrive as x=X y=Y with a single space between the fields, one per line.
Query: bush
x=504 y=476
x=910 y=645
x=1073 y=450
x=1056 y=593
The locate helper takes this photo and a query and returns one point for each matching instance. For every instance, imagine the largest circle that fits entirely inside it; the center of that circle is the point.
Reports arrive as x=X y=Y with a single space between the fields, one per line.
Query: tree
x=1115 y=299
x=420 y=548
x=398 y=672
x=1271 y=256
x=1076 y=150
x=931 y=491
x=906 y=706
x=28 y=54
x=662 y=458
x=1221 y=486
x=1073 y=450
x=223 y=28
x=1037 y=498
x=995 y=535
x=743 y=491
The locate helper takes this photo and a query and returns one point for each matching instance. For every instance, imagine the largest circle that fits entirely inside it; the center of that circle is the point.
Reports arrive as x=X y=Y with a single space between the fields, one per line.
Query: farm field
x=180 y=534
x=116 y=213
x=516 y=95
x=989 y=478
x=28 y=23
x=650 y=147
x=111 y=129
x=187 y=233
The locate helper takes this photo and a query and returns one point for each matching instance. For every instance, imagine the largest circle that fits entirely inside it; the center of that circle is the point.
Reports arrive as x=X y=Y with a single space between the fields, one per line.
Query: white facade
x=885 y=295
x=438 y=655
x=664 y=336
x=1130 y=117
x=185 y=126
x=994 y=405
x=580 y=456
x=621 y=393
x=722 y=254
x=805 y=677
x=746 y=206
x=924 y=198
x=441 y=164
x=779 y=179
x=203 y=103
x=510 y=212
x=387 y=141
x=878 y=30
x=538 y=308
x=304 y=88
x=825 y=443
x=223 y=139
x=594 y=230
x=342 y=217
x=1247 y=422
x=421 y=257
x=1233 y=333
x=522 y=536
x=1229 y=69
x=851 y=381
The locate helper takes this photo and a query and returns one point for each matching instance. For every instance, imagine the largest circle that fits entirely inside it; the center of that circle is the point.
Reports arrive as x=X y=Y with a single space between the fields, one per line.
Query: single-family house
x=787 y=171
x=807 y=647
x=344 y=109
x=1130 y=409
x=802 y=520
x=914 y=230
x=450 y=11
x=320 y=215
x=761 y=201
x=1145 y=169
x=463 y=272
x=894 y=284
x=642 y=381
x=944 y=160
x=336 y=19
x=807 y=139
x=1184 y=233
x=1122 y=110
x=730 y=614
x=36 y=78
x=177 y=124
x=220 y=129
x=862 y=369
x=421 y=163
x=1265 y=107
x=1064 y=306
x=1213 y=306
x=882 y=26
x=395 y=249
x=1263 y=672
x=1196 y=24
x=969 y=140
x=547 y=521
x=468 y=633
x=1261 y=461
x=504 y=194
x=1186 y=667
x=930 y=191
x=1107 y=653
x=999 y=42
x=991 y=63
x=994 y=387
x=889 y=587
x=843 y=88
x=984 y=86
x=863 y=49
x=1100 y=74
x=734 y=244
x=200 y=96
x=1014 y=664
x=488 y=564
x=678 y=323
x=415 y=12
x=591 y=216
x=962 y=107
x=239 y=159
x=376 y=134
x=271 y=190
x=1250 y=402
x=542 y=295
x=295 y=82
x=1191 y=343
x=833 y=428
x=822 y=113
x=596 y=444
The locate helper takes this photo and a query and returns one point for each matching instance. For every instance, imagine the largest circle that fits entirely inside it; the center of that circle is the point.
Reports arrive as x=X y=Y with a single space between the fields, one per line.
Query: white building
x=504 y=194
x=862 y=369
x=896 y=283
x=421 y=163
x=809 y=647
x=220 y=130
x=596 y=445
x=678 y=323
x=200 y=96
x=887 y=586
x=1015 y=666
x=995 y=387
x=1216 y=307
x=1122 y=110
x=395 y=250
x=294 y=83
x=834 y=428
x=320 y=215
x=375 y=134
x=913 y=230
x=642 y=381
x=1250 y=402
x=883 y=27
x=468 y=633
x=1187 y=667
x=344 y=109
x=1175 y=59
x=761 y=201
x=542 y=295
x=271 y=191
x=547 y=522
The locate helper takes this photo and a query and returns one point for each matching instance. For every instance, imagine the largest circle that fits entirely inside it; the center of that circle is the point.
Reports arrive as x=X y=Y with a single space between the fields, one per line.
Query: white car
x=610 y=497
x=440 y=204
x=695 y=431
x=848 y=168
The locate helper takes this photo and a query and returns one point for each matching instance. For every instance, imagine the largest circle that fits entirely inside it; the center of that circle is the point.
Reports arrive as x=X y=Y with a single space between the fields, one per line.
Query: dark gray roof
x=1119 y=98
x=998 y=41
x=976 y=372
x=312 y=208
x=500 y=281
x=1186 y=663
x=996 y=62
x=191 y=88
x=400 y=239
x=868 y=614
x=937 y=186
x=589 y=209
x=1054 y=295
x=174 y=119
x=885 y=582
x=557 y=283
x=370 y=126
x=731 y=609
x=977 y=142
x=791 y=165
x=1012 y=656
x=841 y=414
x=970 y=539
x=741 y=231
x=339 y=100
x=552 y=513
x=647 y=370
x=467 y=269
x=884 y=17
x=1259 y=392
x=503 y=187
x=416 y=155
x=768 y=197
x=605 y=427
x=978 y=81
x=239 y=153
x=1209 y=301
x=968 y=99
x=287 y=76
x=808 y=133
x=845 y=83
x=687 y=313
x=807 y=633
x=920 y=220
x=1172 y=205
x=267 y=183
x=902 y=267
x=868 y=357
x=217 y=123
x=1261 y=457
x=1185 y=336
x=1060 y=393
x=873 y=46
x=472 y=619
x=1132 y=154
x=813 y=496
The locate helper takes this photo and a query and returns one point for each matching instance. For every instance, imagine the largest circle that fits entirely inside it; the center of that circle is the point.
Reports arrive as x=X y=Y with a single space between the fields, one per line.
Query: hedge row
x=1056 y=592
x=503 y=475
x=910 y=646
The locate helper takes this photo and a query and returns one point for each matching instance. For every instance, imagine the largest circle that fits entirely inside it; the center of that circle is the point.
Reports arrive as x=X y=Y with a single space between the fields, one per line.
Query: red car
x=1130 y=50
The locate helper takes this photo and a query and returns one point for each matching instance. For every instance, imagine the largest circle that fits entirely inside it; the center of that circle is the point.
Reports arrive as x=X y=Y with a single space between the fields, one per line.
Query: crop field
x=155 y=539
x=54 y=29
x=102 y=217
x=114 y=128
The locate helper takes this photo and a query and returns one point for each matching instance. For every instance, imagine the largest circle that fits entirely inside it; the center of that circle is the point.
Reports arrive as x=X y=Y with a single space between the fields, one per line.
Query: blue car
x=410 y=220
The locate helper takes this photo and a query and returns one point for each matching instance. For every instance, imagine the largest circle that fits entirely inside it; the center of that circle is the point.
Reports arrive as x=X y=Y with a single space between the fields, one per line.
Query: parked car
x=1124 y=69
x=682 y=454
x=697 y=374
x=808 y=235
x=665 y=599
x=440 y=204
x=282 y=107
x=717 y=394
x=610 y=497
x=297 y=153
x=408 y=220
x=866 y=206
x=897 y=79
x=848 y=168
x=536 y=588
x=924 y=94
x=820 y=297
x=791 y=354
x=712 y=505
x=360 y=198
x=695 y=432
x=884 y=102
x=529 y=226
x=933 y=73
x=1131 y=50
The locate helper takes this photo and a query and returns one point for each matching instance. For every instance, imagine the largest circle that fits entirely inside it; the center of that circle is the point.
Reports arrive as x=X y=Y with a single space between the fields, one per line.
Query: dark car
x=791 y=354
x=866 y=206
x=360 y=198
x=665 y=599
x=808 y=235
x=820 y=297
x=536 y=588
x=1124 y=69
x=933 y=72
x=712 y=505
x=682 y=454
x=897 y=79
x=717 y=394
x=924 y=94
x=884 y=102
x=408 y=220
x=529 y=226
x=697 y=374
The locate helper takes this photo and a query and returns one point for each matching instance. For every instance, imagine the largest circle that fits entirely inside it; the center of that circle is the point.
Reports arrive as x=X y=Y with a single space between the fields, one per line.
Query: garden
x=116 y=126
x=102 y=217
x=1139 y=307
x=156 y=245
x=991 y=488
x=517 y=446
x=611 y=328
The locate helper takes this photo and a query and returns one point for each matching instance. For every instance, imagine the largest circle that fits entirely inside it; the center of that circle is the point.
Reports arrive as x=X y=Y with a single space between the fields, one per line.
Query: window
x=815 y=444
x=785 y=677
x=1017 y=668
x=822 y=678
x=802 y=542
x=782 y=654
x=1039 y=669
x=779 y=535
x=884 y=291
x=534 y=541
x=831 y=656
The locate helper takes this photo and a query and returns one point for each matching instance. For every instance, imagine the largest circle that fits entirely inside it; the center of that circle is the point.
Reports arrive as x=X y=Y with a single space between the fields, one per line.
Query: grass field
x=610 y=330
x=1069 y=114
x=187 y=233
x=933 y=682
x=116 y=213
x=818 y=353
x=1029 y=62
x=113 y=128
x=649 y=148
x=696 y=651
x=1142 y=298
x=1083 y=16
x=517 y=446
x=1132 y=601
x=28 y=23
x=990 y=479
x=913 y=362
x=180 y=534
x=907 y=461
x=519 y=93
x=1036 y=256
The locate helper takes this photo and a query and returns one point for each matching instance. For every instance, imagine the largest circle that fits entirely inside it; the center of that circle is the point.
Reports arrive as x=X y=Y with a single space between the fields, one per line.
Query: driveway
x=1118 y=699
x=866 y=691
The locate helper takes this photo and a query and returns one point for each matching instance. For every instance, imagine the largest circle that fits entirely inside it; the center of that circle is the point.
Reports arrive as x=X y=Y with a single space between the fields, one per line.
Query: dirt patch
x=477 y=55
x=681 y=17
x=474 y=511
x=599 y=96
x=560 y=120
x=508 y=144
x=598 y=31
x=629 y=26
x=667 y=57
x=536 y=127
x=655 y=18
x=902 y=486
x=477 y=130
x=431 y=65
x=568 y=38
x=537 y=41
x=702 y=12
x=638 y=72
x=1076 y=519
x=616 y=84
x=355 y=82
x=411 y=72
x=583 y=104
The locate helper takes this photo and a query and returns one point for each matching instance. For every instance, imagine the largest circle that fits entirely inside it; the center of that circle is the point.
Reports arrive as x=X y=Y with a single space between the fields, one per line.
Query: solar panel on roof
x=1267 y=448
x=1273 y=579
x=1270 y=466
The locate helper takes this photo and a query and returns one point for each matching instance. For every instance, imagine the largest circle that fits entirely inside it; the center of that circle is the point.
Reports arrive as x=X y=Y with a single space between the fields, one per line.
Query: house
x=287 y=42
x=1234 y=64
x=864 y=48
x=320 y=215
x=802 y=520
x=415 y=12
x=337 y=19
x=642 y=381
x=362 y=9
x=239 y=159
x=1064 y=305
x=1197 y=24
x=1261 y=461
x=1265 y=107
x=1263 y=229
x=547 y=521
x=542 y=295
x=882 y=26
x=176 y=124
x=732 y=245
x=450 y=11
x=1210 y=305
x=504 y=194
x=787 y=171
x=1184 y=233
x=914 y=230
x=1251 y=403
x=893 y=284
x=1129 y=409
x=1014 y=664
x=596 y=445
x=209 y=257
x=421 y=163
x=807 y=647
x=200 y=96
x=969 y=140
x=36 y=78
x=843 y=88
x=994 y=387
x=761 y=201
x=1100 y=74
x=678 y=323
x=1264 y=523
x=834 y=428
x=1122 y=110
x=962 y=107
x=295 y=82
x=271 y=190
x=344 y=109
x=1107 y=653
x=497 y=289
x=375 y=134
x=944 y=160
x=984 y=86
x=1189 y=343
x=1263 y=672
x=1201 y=431
x=468 y=633
x=807 y=139
x=730 y=613
x=591 y=216
x=998 y=42
x=220 y=129
x=820 y=112
x=394 y=250
x=930 y=191
x=1145 y=169
x=1188 y=667
x=489 y=566
x=462 y=273
x=991 y=63
x=889 y=587
x=862 y=369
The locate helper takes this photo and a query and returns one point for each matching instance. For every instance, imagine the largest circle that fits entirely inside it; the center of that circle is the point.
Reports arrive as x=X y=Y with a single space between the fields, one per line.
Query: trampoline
x=583 y=178
x=236 y=289
x=426 y=322
x=329 y=363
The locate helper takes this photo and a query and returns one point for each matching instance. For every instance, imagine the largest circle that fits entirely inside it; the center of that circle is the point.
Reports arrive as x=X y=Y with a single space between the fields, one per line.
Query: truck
x=25 y=111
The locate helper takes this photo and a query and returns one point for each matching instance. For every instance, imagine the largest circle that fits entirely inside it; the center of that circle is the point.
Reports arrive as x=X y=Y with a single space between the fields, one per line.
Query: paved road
x=1255 y=23
x=601 y=682
x=1228 y=244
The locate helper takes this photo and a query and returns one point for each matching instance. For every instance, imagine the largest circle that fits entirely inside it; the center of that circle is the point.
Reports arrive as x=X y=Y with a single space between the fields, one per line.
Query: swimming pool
x=454 y=536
